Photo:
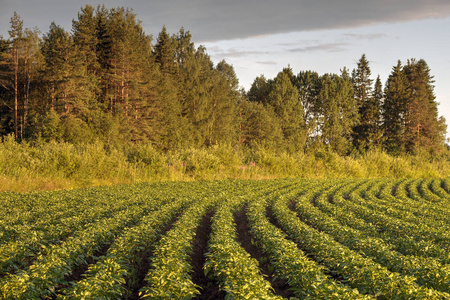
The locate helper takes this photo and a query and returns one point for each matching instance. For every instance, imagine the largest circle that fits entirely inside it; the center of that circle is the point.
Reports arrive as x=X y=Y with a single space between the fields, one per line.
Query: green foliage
x=49 y=165
x=259 y=125
x=326 y=239
x=306 y=278
x=237 y=272
x=76 y=131
x=106 y=80
x=284 y=99
x=51 y=127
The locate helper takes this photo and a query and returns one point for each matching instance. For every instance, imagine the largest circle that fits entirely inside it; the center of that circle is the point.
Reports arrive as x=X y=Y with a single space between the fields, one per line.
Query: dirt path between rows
x=244 y=237
x=141 y=266
x=209 y=287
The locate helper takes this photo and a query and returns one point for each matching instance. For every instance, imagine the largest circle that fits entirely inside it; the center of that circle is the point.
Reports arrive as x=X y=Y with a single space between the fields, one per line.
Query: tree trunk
x=16 y=90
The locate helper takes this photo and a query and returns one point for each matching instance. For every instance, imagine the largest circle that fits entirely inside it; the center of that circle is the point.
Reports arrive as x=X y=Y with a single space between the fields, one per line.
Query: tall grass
x=44 y=166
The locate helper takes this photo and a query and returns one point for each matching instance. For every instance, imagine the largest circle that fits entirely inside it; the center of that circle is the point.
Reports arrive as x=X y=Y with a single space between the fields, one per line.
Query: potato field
x=268 y=239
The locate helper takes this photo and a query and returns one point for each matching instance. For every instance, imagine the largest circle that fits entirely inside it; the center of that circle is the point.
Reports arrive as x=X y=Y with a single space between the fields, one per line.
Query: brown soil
x=79 y=270
x=209 y=287
x=244 y=237
x=140 y=267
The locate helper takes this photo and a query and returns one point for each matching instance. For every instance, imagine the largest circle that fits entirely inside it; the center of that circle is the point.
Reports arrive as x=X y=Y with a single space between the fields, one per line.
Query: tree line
x=107 y=80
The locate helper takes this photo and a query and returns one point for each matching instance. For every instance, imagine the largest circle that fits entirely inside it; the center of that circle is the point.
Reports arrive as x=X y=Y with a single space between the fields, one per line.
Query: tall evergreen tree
x=361 y=81
x=225 y=95
x=85 y=37
x=19 y=63
x=104 y=54
x=362 y=85
x=424 y=130
x=394 y=109
x=31 y=66
x=15 y=54
x=164 y=52
x=65 y=72
x=372 y=113
x=5 y=107
x=193 y=79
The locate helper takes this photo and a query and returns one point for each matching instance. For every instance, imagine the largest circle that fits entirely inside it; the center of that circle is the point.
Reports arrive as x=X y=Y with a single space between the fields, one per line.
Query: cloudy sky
x=263 y=36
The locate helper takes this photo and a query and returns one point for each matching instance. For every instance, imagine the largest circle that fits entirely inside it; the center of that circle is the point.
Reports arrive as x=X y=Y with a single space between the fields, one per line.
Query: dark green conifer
x=424 y=130
x=394 y=109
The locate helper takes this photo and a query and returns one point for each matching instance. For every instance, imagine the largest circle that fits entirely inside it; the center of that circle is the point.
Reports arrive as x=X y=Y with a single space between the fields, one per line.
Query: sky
x=261 y=37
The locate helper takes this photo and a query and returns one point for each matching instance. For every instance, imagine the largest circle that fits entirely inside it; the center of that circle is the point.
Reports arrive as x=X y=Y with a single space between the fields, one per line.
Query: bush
x=49 y=165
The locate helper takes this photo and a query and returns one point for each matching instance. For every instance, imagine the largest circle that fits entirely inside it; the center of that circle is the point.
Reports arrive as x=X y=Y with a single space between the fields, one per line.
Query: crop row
x=325 y=239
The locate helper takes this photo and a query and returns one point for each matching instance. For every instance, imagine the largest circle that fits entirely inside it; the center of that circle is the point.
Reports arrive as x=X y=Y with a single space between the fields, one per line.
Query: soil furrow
x=245 y=238
x=209 y=288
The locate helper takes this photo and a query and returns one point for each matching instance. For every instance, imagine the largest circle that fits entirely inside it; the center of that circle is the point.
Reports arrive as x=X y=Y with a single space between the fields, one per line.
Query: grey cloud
x=233 y=52
x=370 y=37
x=270 y=63
x=212 y=20
x=328 y=47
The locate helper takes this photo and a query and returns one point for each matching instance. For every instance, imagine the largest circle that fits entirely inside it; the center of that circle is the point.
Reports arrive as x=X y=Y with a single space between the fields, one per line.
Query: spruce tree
x=424 y=130
x=362 y=85
x=394 y=110
x=164 y=52
x=65 y=73
x=374 y=133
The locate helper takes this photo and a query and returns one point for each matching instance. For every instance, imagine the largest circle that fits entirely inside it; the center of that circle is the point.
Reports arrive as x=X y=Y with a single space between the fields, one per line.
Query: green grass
x=50 y=166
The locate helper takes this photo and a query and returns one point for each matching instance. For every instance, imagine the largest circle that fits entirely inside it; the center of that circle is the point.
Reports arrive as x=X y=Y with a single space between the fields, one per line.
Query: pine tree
x=139 y=74
x=19 y=63
x=362 y=85
x=32 y=64
x=85 y=37
x=104 y=57
x=16 y=53
x=5 y=107
x=164 y=52
x=424 y=130
x=394 y=109
x=65 y=72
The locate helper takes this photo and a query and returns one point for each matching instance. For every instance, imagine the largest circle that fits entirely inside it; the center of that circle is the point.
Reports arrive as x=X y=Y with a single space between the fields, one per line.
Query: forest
x=107 y=82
